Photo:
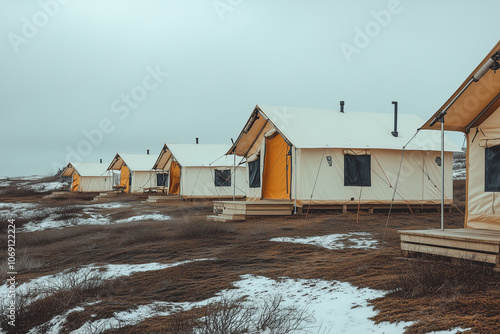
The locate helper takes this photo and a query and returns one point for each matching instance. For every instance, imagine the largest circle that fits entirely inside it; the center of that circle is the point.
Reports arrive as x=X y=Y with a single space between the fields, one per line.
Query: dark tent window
x=357 y=170
x=162 y=180
x=254 y=173
x=492 y=169
x=223 y=178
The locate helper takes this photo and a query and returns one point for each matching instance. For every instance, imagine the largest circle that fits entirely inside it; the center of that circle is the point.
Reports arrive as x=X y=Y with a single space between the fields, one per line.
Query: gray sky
x=85 y=79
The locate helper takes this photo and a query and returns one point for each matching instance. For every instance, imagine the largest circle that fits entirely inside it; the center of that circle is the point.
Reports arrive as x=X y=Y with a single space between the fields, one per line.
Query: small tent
x=475 y=110
x=201 y=171
x=88 y=177
x=135 y=171
x=328 y=157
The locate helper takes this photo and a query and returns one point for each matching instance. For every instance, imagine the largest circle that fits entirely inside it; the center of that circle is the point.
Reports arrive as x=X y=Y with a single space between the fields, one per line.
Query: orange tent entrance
x=175 y=179
x=276 y=177
x=125 y=178
x=76 y=182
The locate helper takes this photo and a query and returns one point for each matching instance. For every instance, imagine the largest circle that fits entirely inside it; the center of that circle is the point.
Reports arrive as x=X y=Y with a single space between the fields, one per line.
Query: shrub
x=41 y=303
x=234 y=316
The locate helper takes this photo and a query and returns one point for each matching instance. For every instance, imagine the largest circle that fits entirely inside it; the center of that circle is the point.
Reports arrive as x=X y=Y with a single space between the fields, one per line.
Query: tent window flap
x=223 y=178
x=254 y=173
x=357 y=170
x=492 y=169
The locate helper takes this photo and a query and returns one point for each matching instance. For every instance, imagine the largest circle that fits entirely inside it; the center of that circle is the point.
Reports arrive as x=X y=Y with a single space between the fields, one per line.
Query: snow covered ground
x=102 y=272
x=335 y=307
x=360 y=240
x=90 y=215
x=31 y=182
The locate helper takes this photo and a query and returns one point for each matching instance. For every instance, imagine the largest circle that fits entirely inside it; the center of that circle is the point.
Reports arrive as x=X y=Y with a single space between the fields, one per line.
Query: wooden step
x=264 y=212
x=224 y=217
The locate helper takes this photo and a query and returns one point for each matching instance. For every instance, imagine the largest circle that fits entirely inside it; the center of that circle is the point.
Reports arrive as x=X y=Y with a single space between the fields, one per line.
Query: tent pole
x=442 y=173
x=234 y=177
x=295 y=178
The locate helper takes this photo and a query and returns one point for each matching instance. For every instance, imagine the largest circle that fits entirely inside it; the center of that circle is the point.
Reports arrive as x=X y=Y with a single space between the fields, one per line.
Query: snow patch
x=102 y=272
x=358 y=240
x=153 y=216
x=335 y=305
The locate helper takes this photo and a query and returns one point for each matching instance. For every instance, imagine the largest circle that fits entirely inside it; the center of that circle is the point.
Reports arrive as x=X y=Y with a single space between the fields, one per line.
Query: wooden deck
x=469 y=244
x=239 y=210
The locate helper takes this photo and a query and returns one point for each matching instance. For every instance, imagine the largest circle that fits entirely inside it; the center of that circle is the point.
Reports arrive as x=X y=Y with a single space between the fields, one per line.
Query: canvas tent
x=313 y=156
x=201 y=171
x=475 y=110
x=135 y=171
x=88 y=177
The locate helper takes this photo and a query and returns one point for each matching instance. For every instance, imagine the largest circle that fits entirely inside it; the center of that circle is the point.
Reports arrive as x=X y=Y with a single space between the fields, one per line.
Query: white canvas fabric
x=319 y=139
x=318 y=128
x=94 y=177
x=483 y=208
x=141 y=171
x=198 y=163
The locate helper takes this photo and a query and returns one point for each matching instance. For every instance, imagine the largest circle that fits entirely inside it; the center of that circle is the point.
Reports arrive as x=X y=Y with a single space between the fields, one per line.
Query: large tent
x=135 y=171
x=88 y=177
x=313 y=156
x=475 y=110
x=201 y=171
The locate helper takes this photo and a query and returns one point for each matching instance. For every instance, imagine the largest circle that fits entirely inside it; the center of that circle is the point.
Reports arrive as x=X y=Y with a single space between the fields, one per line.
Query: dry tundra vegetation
x=436 y=294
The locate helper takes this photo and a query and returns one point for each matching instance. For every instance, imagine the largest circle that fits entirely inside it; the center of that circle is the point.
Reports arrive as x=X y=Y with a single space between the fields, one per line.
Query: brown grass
x=199 y=229
x=74 y=289
x=436 y=295
x=422 y=278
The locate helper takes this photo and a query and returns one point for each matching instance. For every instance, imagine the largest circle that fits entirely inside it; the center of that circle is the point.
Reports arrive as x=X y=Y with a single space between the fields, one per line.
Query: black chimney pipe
x=395 y=132
x=147 y=151
x=342 y=106
x=197 y=141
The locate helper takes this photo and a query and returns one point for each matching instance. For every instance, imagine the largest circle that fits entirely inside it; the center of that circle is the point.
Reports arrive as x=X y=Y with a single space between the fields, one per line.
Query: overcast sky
x=85 y=79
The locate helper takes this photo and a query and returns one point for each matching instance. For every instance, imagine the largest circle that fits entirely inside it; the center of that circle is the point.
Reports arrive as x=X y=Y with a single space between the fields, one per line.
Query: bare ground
x=244 y=248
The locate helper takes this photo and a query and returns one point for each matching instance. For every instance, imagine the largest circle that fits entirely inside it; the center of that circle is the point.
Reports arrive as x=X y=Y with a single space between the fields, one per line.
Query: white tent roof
x=195 y=155
x=135 y=162
x=318 y=128
x=86 y=169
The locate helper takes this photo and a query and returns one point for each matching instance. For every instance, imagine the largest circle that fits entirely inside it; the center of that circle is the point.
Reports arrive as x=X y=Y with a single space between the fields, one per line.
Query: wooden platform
x=411 y=207
x=469 y=244
x=239 y=210
x=162 y=199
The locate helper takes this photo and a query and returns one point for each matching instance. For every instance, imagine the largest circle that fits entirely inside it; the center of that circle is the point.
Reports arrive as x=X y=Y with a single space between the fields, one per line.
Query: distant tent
x=476 y=112
x=329 y=157
x=201 y=171
x=135 y=171
x=88 y=177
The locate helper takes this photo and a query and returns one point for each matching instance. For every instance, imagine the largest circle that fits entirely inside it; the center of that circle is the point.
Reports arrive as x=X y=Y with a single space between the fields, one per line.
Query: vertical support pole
x=442 y=173
x=294 y=171
x=234 y=177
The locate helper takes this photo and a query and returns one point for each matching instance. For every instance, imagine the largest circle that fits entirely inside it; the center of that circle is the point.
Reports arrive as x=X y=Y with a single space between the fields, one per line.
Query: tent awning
x=475 y=104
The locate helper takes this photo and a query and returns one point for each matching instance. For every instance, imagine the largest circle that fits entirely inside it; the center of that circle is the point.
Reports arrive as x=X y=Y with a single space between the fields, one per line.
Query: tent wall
x=141 y=180
x=200 y=182
x=418 y=181
x=96 y=183
x=483 y=208
x=320 y=183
